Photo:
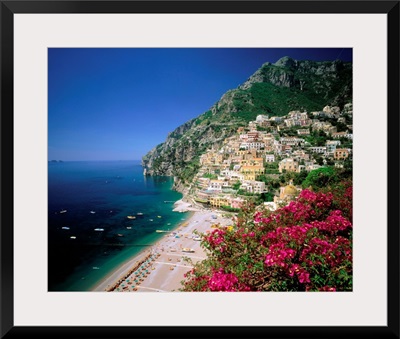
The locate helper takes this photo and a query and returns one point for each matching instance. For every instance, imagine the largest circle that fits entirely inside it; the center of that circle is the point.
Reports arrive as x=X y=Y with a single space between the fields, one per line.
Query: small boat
x=95 y=267
x=129 y=228
x=188 y=250
x=65 y=228
x=73 y=237
x=131 y=217
x=151 y=219
x=99 y=229
x=139 y=213
x=120 y=235
x=63 y=211
x=158 y=216
x=93 y=212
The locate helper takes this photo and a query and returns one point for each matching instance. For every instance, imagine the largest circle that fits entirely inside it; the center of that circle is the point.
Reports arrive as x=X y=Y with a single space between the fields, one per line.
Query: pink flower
x=294 y=269
x=304 y=277
x=227 y=282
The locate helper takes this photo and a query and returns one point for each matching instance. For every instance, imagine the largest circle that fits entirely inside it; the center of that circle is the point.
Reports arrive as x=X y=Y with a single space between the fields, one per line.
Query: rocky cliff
x=274 y=89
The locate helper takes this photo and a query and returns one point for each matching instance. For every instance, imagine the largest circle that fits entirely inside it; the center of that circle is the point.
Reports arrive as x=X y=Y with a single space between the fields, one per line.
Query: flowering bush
x=304 y=246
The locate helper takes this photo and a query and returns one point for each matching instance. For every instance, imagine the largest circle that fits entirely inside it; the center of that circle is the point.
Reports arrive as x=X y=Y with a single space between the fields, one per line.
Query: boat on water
x=139 y=213
x=131 y=217
x=95 y=267
x=99 y=229
x=72 y=237
x=120 y=235
x=93 y=212
x=65 y=228
x=158 y=216
x=63 y=211
x=188 y=250
x=129 y=228
x=151 y=219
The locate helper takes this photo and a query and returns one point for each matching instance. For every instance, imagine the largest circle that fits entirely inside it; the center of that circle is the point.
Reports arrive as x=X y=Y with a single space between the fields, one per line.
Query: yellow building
x=289 y=164
x=341 y=153
x=251 y=172
x=218 y=201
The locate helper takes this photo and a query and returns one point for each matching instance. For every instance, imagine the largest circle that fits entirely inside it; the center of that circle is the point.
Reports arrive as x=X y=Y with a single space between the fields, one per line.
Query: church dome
x=290 y=190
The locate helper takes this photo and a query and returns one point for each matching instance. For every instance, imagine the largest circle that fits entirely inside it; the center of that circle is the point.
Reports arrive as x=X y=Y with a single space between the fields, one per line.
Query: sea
x=89 y=234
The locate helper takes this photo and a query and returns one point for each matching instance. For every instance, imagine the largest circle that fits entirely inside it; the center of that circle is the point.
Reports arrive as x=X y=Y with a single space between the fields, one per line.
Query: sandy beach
x=161 y=268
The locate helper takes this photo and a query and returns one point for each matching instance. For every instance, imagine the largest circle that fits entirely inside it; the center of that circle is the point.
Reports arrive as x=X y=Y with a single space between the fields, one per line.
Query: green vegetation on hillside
x=276 y=90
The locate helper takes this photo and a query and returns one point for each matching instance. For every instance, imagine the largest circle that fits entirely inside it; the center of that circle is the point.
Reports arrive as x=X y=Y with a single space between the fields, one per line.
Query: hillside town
x=262 y=159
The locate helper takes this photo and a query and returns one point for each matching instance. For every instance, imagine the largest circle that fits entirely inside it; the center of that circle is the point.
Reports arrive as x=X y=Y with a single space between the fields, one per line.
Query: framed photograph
x=116 y=115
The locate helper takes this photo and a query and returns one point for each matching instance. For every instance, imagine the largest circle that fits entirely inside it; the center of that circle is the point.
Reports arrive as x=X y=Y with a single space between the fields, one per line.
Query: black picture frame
x=7 y=11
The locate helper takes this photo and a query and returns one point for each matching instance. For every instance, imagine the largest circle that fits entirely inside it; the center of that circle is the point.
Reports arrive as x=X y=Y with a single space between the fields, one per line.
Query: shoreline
x=162 y=267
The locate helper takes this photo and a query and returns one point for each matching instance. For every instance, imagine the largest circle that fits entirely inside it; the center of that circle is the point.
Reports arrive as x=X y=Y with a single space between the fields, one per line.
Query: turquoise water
x=100 y=195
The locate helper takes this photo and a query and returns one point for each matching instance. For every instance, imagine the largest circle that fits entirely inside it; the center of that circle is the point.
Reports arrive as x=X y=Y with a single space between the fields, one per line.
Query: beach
x=162 y=267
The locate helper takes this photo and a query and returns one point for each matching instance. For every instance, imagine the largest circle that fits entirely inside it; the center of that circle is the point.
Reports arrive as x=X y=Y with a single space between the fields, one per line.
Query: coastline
x=162 y=267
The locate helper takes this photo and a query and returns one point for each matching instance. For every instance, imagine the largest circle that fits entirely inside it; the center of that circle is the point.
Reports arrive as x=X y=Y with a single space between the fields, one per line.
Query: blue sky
x=119 y=103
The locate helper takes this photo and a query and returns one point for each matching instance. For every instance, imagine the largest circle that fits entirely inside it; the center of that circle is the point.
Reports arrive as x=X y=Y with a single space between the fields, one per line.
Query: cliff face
x=274 y=89
x=332 y=81
x=178 y=155
x=159 y=160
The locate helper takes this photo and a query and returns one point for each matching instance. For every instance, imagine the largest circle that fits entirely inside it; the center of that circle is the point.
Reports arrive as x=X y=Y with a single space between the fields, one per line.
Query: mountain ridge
x=273 y=89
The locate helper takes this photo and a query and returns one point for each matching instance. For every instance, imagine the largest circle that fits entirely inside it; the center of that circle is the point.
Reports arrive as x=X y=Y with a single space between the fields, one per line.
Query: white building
x=252 y=186
x=269 y=157
x=261 y=118
x=318 y=149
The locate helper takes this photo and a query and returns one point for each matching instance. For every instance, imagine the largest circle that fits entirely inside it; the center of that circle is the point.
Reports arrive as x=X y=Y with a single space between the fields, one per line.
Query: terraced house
x=289 y=165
